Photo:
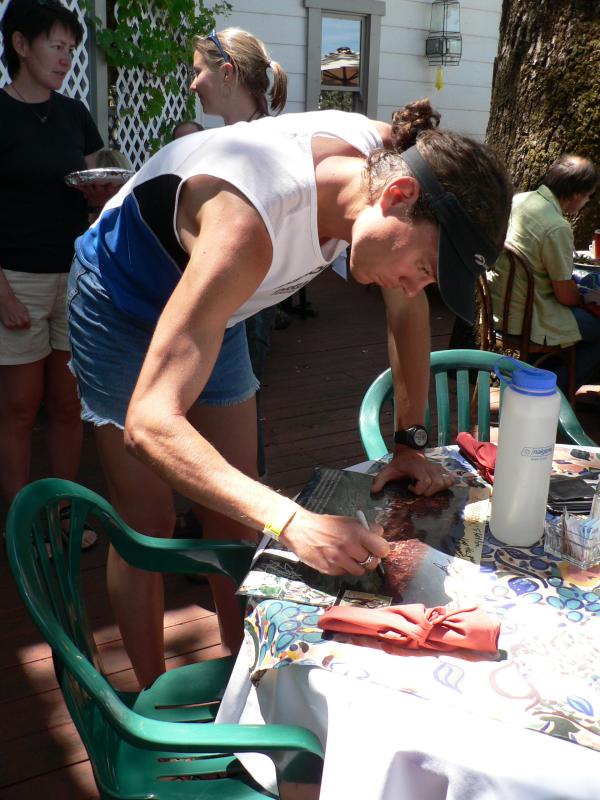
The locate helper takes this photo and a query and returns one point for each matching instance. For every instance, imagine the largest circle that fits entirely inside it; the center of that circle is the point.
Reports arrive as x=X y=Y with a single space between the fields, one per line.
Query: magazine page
x=572 y=460
x=433 y=541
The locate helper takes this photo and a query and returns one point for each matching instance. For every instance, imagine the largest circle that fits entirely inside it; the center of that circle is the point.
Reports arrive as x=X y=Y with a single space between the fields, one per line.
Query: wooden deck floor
x=318 y=370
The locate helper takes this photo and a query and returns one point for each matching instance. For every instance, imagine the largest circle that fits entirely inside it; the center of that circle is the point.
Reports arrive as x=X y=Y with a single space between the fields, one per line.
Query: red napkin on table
x=481 y=454
x=413 y=626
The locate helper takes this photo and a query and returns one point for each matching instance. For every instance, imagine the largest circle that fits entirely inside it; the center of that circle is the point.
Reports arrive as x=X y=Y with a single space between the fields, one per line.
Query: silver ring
x=367 y=560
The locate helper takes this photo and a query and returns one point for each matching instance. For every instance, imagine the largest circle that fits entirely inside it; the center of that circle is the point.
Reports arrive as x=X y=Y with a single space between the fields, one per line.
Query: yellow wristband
x=282 y=517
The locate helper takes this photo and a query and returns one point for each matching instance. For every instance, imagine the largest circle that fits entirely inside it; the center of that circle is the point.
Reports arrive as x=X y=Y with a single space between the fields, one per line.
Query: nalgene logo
x=538 y=453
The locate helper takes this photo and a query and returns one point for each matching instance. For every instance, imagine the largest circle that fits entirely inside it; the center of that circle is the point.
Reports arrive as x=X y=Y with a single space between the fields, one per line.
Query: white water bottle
x=528 y=422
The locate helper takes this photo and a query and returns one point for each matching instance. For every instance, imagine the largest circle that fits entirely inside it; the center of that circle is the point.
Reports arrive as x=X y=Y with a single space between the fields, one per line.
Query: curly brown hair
x=410 y=120
x=463 y=166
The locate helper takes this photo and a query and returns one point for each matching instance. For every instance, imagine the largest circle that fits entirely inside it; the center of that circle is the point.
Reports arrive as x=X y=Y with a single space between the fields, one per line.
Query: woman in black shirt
x=43 y=136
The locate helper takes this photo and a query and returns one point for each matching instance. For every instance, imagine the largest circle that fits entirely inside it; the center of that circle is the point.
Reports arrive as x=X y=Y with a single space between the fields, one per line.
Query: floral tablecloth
x=546 y=676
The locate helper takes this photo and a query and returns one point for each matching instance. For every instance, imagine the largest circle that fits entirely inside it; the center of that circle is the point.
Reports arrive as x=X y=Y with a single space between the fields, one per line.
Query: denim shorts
x=108 y=350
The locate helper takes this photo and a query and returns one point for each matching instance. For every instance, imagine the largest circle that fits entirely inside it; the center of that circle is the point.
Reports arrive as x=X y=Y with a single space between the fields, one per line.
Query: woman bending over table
x=216 y=227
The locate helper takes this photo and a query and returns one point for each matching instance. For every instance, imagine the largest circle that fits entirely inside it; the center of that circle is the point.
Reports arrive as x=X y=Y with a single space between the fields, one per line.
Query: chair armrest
x=181 y=555
x=380 y=391
x=570 y=425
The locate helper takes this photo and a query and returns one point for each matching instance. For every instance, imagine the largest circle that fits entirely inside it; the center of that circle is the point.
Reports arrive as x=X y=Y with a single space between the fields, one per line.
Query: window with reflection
x=341 y=67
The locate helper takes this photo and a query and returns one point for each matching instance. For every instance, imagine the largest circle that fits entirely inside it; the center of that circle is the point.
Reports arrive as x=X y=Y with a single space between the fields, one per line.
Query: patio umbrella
x=340 y=68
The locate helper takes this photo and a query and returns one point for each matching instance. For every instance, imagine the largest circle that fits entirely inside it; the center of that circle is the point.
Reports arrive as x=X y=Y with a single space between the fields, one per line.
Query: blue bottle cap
x=526 y=379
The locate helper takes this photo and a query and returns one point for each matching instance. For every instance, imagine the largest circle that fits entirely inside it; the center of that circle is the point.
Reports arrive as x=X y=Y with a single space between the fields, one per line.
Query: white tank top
x=134 y=244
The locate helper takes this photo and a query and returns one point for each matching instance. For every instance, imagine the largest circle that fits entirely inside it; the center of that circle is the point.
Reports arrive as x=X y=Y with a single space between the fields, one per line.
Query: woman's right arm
x=227 y=263
x=13 y=314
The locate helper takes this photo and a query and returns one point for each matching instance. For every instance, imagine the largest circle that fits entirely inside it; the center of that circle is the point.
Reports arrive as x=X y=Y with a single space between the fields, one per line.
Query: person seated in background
x=185 y=127
x=539 y=231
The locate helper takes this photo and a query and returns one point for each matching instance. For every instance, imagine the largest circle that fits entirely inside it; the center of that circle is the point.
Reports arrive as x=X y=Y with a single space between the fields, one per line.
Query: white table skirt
x=382 y=744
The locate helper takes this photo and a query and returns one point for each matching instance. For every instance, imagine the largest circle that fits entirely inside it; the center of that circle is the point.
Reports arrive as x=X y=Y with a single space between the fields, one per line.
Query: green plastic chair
x=442 y=362
x=162 y=742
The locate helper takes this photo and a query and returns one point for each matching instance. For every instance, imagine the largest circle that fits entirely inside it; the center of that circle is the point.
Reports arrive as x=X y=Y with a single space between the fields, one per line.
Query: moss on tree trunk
x=546 y=92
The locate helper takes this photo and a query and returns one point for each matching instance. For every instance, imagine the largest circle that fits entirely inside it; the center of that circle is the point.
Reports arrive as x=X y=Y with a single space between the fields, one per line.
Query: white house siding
x=404 y=73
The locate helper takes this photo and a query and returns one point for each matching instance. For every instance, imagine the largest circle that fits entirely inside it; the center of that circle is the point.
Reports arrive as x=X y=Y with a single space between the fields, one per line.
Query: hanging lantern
x=444 y=42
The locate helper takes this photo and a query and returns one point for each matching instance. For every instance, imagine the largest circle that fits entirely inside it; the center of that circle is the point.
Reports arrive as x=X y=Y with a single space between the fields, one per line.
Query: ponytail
x=278 y=91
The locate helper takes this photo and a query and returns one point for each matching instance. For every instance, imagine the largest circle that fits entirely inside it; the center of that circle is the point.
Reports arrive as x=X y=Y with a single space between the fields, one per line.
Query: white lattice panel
x=77 y=83
x=130 y=135
x=4 y=78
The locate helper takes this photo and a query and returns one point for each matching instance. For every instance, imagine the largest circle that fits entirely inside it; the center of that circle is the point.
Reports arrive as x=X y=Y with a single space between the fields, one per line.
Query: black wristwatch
x=416 y=437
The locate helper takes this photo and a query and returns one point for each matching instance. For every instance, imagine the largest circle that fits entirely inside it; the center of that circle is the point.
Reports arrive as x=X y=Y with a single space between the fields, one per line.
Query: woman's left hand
x=427 y=476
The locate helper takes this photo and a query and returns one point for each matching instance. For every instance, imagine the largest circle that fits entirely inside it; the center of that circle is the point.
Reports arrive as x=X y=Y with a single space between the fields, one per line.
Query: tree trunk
x=546 y=92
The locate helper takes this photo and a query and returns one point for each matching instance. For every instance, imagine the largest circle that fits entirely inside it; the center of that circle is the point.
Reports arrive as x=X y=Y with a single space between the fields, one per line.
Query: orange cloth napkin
x=413 y=626
x=481 y=454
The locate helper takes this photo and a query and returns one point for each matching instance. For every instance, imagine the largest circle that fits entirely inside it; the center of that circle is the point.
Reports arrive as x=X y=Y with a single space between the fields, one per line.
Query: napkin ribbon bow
x=413 y=626
x=481 y=454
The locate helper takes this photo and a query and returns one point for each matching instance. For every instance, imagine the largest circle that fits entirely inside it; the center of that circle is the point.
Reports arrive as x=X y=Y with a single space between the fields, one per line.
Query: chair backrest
x=46 y=567
x=461 y=364
x=487 y=330
x=517 y=262
x=49 y=556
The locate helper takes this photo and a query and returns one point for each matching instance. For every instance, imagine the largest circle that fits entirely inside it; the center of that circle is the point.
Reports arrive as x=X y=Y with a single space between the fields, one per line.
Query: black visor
x=464 y=250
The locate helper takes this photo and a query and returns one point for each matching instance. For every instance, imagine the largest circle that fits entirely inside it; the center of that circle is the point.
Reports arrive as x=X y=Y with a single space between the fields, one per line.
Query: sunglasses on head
x=215 y=40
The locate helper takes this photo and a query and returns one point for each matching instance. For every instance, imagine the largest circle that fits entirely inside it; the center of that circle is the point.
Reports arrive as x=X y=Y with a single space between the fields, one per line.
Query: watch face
x=420 y=437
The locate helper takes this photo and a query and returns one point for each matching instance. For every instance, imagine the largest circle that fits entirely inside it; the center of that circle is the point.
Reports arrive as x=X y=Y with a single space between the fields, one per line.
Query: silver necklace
x=41 y=118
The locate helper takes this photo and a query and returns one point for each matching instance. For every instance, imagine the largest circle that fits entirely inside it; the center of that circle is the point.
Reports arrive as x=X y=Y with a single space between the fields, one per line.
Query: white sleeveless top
x=134 y=245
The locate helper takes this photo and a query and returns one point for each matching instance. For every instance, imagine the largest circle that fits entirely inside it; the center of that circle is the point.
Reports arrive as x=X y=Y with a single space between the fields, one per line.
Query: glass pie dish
x=114 y=175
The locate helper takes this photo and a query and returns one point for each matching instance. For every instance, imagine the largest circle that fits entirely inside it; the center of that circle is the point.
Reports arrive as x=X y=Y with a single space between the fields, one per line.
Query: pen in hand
x=360 y=516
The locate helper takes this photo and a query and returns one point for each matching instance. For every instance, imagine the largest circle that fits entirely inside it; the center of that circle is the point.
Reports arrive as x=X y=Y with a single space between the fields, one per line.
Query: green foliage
x=330 y=98
x=131 y=40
